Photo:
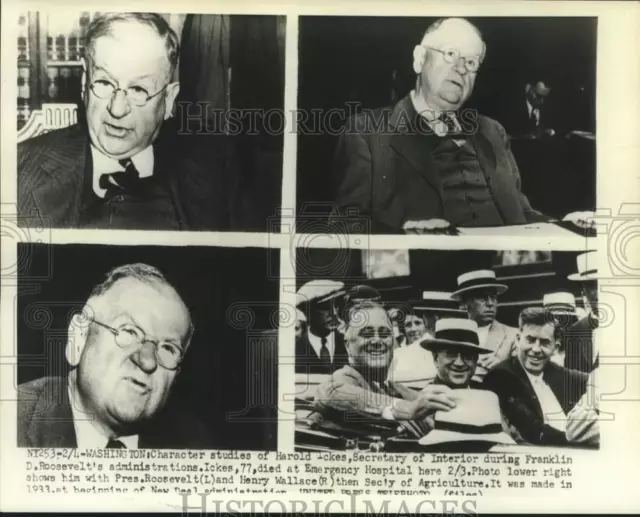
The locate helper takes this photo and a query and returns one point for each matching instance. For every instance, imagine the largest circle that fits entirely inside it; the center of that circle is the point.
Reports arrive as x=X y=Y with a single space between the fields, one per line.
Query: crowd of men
x=408 y=362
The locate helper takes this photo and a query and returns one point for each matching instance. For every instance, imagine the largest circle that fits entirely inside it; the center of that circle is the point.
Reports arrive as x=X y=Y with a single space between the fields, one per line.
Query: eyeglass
x=129 y=336
x=452 y=355
x=370 y=332
x=136 y=95
x=451 y=55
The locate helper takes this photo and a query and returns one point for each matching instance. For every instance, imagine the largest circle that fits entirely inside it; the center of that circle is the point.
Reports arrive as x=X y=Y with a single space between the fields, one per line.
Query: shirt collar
x=316 y=343
x=87 y=435
x=102 y=164
x=431 y=115
x=533 y=379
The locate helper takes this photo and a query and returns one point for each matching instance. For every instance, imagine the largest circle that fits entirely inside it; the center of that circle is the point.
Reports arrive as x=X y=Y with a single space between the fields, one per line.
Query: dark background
x=369 y=60
x=225 y=369
x=437 y=270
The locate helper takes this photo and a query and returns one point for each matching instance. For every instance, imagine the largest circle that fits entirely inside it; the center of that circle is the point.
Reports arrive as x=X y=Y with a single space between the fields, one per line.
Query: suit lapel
x=503 y=191
x=60 y=196
x=411 y=143
x=52 y=422
x=526 y=384
x=164 y=164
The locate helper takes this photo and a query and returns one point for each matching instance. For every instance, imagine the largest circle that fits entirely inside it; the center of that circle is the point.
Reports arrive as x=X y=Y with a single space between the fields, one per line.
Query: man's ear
x=170 y=98
x=83 y=79
x=77 y=337
x=419 y=55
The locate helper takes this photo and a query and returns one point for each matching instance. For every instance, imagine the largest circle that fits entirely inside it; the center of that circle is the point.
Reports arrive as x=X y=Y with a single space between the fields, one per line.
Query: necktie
x=449 y=122
x=122 y=181
x=115 y=444
x=533 y=119
x=325 y=356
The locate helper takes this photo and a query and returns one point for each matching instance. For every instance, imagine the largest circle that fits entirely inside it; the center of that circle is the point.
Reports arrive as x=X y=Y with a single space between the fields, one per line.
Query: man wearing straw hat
x=579 y=343
x=535 y=394
x=413 y=366
x=563 y=306
x=478 y=293
x=321 y=349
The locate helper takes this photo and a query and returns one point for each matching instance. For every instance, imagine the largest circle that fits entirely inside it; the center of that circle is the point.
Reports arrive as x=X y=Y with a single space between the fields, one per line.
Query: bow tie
x=122 y=181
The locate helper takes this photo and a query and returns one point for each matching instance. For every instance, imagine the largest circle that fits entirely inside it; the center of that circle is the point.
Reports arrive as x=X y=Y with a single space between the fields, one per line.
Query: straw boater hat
x=318 y=291
x=476 y=417
x=455 y=332
x=474 y=280
x=587 y=269
x=561 y=301
x=437 y=301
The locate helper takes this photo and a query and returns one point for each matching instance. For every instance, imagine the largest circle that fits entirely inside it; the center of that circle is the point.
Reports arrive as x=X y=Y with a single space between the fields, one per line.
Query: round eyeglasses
x=136 y=95
x=130 y=336
x=451 y=55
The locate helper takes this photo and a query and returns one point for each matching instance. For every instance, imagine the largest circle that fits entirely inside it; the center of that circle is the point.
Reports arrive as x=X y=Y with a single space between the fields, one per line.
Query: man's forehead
x=370 y=317
x=133 y=47
x=538 y=330
x=457 y=33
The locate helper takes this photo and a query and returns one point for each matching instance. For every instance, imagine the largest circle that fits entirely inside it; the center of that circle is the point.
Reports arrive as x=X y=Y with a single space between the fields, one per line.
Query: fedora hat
x=318 y=291
x=587 y=267
x=561 y=301
x=437 y=301
x=476 y=417
x=480 y=279
x=455 y=332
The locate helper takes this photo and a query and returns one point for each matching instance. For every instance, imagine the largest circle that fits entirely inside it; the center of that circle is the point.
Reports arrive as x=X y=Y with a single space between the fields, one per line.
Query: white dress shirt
x=316 y=343
x=536 y=112
x=87 y=435
x=483 y=334
x=431 y=116
x=551 y=408
x=102 y=164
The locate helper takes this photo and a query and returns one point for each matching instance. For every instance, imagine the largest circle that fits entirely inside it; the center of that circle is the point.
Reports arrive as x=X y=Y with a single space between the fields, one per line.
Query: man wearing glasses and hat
x=114 y=169
x=412 y=365
x=579 y=340
x=125 y=351
x=478 y=293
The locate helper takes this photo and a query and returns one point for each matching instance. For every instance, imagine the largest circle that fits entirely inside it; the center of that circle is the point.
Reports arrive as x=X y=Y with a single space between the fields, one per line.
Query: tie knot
x=115 y=444
x=323 y=341
x=449 y=121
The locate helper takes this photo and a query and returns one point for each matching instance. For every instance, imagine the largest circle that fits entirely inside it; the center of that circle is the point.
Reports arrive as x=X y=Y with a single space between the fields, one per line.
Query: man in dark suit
x=114 y=169
x=125 y=350
x=424 y=164
x=321 y=348
x=579 y=340
x=535 y=394
x=529 y=114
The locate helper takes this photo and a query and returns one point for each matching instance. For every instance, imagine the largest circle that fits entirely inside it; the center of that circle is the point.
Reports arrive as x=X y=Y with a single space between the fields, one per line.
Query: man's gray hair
x=143 y=273
x=101 y=26
x=436 y=25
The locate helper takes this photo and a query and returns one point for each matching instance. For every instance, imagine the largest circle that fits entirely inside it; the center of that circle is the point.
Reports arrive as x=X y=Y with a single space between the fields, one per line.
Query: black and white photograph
x=136 y=121
x=446 y=126
x=450 y=351
x=146 y=347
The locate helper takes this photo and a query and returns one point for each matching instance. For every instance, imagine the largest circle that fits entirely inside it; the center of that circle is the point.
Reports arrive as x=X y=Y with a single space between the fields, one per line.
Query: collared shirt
x=536 y=112
x=316 y=343
x=87 y=435
x=551 y=408
x=143 y=162
x=431 y=116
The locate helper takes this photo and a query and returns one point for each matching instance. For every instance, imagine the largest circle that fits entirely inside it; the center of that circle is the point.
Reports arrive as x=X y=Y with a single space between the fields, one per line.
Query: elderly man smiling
x=425 y=165
x=360 y=389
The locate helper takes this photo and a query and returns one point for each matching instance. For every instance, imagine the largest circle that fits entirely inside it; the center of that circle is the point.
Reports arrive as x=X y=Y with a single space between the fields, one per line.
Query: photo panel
x=134 y=120
x=450 y=125
x=156 y=347
x=446 y=350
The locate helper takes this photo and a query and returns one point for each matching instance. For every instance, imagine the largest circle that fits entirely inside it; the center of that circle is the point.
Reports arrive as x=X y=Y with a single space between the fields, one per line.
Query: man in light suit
x=424 y=164
x=125 y=351
x=478 y=293
x=120 y=166
x=535 y=394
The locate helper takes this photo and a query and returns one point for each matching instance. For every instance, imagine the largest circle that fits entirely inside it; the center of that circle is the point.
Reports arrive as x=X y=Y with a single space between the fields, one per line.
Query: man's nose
x=145 y=357
x=461 y=66
x=458 y=360
x=535 y=347
x=118 y=105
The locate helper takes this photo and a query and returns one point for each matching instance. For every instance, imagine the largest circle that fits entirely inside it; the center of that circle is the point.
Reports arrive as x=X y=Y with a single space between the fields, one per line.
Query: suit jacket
x=520 y=405
x=387 y=176
x=307 y=360
x=45 y=419
x=516 y=119
x=51 y=177
x=503 y=340
x=578 y=345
